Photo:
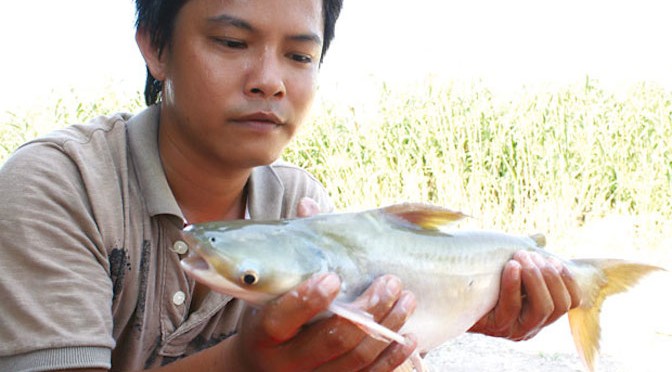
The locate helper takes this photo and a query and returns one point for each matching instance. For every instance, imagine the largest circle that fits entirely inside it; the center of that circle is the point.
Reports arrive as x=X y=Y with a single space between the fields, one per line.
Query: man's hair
x=157 y=17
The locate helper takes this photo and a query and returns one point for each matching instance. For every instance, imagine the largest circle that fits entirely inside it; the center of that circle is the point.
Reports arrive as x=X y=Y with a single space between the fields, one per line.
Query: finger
x=394 y=356
x=379 y=298
x=570 y=283
x=538 y=304
x=500 y=320
x=507 y=311
x=307 y=207
x=370 y=349
x=557 y=278
x=335 y=336
x=559 y=293
x=282 y=318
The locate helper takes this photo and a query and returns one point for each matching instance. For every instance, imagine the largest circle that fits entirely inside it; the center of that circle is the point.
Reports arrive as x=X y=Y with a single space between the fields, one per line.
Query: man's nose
x=265 y=77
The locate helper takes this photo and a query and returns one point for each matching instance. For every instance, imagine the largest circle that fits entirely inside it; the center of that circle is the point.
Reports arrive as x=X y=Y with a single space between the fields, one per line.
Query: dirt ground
x=636 y=337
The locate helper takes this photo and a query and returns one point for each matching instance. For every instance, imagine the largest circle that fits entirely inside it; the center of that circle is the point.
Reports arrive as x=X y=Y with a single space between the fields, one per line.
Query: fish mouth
x=195 y=263
x=201 y=270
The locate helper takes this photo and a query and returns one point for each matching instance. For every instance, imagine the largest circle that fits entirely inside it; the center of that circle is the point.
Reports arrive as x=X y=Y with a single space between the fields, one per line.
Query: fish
x=454 y=274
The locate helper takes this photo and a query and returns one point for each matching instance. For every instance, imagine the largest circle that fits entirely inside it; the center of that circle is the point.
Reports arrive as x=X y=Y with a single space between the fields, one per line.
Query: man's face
x=239 y=78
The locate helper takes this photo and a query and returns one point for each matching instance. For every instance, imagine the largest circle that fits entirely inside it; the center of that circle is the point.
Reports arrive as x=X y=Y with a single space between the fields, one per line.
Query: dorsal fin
x=539 y=239
x=424 y=216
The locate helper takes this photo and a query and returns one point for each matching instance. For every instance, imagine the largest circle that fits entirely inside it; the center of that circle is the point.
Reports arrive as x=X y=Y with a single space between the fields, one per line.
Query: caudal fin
x=616 y=276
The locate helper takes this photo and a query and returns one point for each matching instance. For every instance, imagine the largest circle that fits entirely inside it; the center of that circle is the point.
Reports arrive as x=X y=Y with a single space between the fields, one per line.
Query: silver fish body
x=455 y=275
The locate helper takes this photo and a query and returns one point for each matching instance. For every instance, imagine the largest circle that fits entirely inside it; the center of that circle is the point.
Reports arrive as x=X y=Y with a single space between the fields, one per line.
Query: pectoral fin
x=366 y=322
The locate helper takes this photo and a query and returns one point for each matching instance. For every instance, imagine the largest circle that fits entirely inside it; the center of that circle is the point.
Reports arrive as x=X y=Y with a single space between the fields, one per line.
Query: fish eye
x=213 y=240
x=249 y=277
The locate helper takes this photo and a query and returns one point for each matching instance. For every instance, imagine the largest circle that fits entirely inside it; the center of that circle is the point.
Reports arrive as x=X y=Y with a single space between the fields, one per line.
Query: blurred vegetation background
x=544 y=160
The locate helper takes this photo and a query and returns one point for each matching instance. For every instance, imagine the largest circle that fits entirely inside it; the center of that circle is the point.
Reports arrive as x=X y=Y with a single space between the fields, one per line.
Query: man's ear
x=151 y=54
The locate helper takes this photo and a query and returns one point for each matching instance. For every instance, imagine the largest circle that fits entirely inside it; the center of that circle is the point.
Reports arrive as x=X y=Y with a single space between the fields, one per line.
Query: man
x=92 y=214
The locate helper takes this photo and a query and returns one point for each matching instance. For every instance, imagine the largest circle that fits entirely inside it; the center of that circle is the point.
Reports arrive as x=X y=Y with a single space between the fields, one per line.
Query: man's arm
x=56 y=296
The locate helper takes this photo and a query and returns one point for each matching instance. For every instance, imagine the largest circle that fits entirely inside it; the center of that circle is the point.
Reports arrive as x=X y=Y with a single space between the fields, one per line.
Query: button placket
x=177 y=334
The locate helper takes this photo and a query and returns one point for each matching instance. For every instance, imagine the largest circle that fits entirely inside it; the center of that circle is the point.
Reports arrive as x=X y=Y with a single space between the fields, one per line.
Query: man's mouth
x=260 y=120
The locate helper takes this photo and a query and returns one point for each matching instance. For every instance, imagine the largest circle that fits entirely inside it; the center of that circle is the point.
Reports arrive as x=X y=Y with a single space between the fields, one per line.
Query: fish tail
x=616 y=276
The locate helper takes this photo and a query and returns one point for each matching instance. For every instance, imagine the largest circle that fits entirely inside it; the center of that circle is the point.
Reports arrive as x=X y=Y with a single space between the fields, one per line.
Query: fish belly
x=455 y=277
x=449 y=306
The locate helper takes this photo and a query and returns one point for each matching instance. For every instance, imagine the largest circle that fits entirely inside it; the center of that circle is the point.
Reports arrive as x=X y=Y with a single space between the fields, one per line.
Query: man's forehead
x=246 y=13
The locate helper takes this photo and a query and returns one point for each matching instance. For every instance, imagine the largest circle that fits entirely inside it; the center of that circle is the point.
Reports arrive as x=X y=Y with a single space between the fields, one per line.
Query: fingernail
x=393 y=286
x=523 y=257
x=410 y=340
x=538 y=260
x=514 y=270
x=329 y=284
x=407 y=303
x=556 y=263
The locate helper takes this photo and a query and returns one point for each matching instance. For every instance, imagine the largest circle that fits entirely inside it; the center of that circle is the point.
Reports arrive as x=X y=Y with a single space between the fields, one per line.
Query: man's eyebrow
x=226 y=19
x=231 y=21
x=309 y=37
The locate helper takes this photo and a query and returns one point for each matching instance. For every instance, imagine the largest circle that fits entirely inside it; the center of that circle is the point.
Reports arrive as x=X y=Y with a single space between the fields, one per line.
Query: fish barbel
x=454 y=275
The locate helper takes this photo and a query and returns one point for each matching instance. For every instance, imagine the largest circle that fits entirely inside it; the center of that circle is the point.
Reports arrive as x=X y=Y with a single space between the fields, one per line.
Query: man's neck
x=205 y=192
x=212 y=204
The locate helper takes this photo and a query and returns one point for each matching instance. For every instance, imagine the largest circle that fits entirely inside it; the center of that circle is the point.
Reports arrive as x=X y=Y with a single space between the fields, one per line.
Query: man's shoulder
x=292 y=183
x=94 y=153
x=100 y=129
x=290 y=173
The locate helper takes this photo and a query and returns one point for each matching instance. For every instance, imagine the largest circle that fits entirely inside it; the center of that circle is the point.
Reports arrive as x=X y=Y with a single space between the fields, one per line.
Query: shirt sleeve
x=55 y=288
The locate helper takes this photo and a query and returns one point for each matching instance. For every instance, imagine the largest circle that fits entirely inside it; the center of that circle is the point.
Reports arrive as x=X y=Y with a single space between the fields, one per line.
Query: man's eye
x=302 y=58
x=235 y=44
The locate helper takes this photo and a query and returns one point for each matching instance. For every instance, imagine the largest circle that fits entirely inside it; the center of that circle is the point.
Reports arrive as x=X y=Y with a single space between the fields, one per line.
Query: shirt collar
x=143 y=139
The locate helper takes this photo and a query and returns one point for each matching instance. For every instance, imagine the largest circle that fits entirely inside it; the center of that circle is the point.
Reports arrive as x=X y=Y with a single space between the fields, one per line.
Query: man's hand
x=534 y=293
x=307 y=207
x=281 y=336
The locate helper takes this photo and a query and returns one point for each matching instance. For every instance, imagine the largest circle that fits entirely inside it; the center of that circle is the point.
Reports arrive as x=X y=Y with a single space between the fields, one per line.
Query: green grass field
x=541 y=160
x=544 y=160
